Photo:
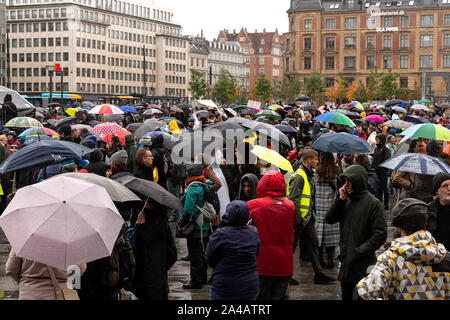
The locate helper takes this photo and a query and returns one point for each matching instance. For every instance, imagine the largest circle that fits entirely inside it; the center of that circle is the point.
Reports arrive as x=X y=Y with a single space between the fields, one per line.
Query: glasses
x=445 y=186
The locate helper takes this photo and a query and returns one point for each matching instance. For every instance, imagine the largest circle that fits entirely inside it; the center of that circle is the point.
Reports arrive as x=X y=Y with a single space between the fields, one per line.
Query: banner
x=254 y=104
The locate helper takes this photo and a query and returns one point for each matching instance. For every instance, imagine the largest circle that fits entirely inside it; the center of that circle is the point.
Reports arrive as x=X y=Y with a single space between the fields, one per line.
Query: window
x=403 y=82
x=370 y=42
x=387 y=42
x=370 y=61
x=50 y=42
x=446 y=60
x=65 y=41
x=350 y=23
x=351 y=3
x=350 y=42
x=329 y=63
x=261 y=71
x=261 y=61
x=330 y=24
x=404 y=62
x=329 y=82
x=349 y=62
x=387 y=21
x=405 y=21
x=404 y=41
x=307 y=63
x=307 y=42
x=426 y=61
x=329 y=42
x=447 y=19
x=426 y=40
x=426 y=20
x=308 y=24
x=43 y=57
x=387 y=62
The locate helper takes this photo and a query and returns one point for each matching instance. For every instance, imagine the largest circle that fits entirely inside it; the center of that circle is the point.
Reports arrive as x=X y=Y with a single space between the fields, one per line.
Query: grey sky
x=215 y=15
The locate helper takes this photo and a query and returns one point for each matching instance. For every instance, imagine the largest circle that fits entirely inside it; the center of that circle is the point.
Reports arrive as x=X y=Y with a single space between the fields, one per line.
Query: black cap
x=410 y=214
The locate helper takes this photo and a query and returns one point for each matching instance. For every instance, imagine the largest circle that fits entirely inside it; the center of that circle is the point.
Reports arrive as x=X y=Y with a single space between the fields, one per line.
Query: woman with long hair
x=326 y=187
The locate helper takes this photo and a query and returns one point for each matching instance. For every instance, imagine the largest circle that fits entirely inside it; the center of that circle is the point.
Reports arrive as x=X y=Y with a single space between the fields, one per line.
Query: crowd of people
x=333 y=208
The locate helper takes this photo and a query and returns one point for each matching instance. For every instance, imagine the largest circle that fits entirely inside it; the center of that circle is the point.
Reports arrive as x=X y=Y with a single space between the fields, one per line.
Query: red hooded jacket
x=274 y=217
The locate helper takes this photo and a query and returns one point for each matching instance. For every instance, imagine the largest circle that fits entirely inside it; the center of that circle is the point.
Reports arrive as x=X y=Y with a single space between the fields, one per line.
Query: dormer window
x=263 y=41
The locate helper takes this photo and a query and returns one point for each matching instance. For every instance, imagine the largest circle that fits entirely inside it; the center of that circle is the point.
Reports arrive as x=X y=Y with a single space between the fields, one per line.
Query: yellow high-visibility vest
x=306 y=193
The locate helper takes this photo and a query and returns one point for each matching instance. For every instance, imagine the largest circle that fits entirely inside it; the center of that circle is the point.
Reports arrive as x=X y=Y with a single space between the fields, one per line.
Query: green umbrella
x=240 y=107
x=268 y=114
x=335 y=117
x=23 y=122
x=425 y=101
x=428 y=131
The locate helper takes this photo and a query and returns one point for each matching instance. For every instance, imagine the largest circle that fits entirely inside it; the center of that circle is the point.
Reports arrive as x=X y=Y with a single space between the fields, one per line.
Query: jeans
x=273 y=288
x=173 y=189
x=383 y=189
x=199 y=267
x=215 y=296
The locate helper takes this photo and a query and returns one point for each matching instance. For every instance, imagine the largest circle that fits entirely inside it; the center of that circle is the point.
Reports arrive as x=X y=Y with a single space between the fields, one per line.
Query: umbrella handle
x=14 y=184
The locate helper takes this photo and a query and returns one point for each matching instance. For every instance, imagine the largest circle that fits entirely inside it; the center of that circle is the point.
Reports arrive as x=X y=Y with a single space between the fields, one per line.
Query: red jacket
x=292 y=155
x=274 y=217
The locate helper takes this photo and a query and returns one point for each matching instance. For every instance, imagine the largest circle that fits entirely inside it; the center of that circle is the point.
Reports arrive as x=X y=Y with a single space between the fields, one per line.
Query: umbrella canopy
x=445 y=105
x=416 y=163
x=43 y=153
x=23 y=122
x=342 y=142
x=38 y=131
x=223 y=127
x=416 y=119
x=134 y=126
x=351 y=115
x=107 y=127
x=398 y=124
x=303 y=98
x=335 y=117
x=150 y=112
x=202 y=113
x=168 y=120
x=357 y=105
x=106 y=109
x=429 y=131
x=249 y=112
x=399 y=109
x=272 y=157
x=151 y=127
x=265 y=129
x=128 y=109
x=62 y=222
x=240 y=107
x=424 y=101
x=71 y=111
x=152 y=190
x=32 y=139
x=286 y=129
x=176 y=109
x=374 y=117
x=268 y=114
x=66 y=121
x=393 y=102
x=116 y=190
x=81 y=127
x=275 y=107
x=121 y=134
x=231 y=111
x=154 y=122
x=88 y=104
x=419 y=107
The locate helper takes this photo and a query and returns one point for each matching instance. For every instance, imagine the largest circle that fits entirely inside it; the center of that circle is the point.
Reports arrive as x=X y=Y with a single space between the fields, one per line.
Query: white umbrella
x=419 y=107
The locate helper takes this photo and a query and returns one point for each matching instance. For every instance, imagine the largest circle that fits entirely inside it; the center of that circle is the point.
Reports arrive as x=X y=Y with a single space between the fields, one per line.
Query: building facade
x=263 y=54
x=198 y=57
x=3 y=47
x=351 y=38
x=101 y=45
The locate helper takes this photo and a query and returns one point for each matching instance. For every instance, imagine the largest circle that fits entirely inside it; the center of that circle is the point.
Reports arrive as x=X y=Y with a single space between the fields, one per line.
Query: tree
x=197 y=85
x=388 y=86
x=226 y=90
x=360 y=94
x=263 y=89
x=341 y=90
x=351 y=91
x=372 y=90
x=331 y=94
x=315 y=88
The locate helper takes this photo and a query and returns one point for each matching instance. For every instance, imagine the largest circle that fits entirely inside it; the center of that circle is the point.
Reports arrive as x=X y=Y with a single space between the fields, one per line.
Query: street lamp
x=50 y=70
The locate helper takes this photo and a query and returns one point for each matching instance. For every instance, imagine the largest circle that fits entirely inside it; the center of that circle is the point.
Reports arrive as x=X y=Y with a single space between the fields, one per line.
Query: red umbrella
x=122 y=134
x=107 y=127
x=154 y=106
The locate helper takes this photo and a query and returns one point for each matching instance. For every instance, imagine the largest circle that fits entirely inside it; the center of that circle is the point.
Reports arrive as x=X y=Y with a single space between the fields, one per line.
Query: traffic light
x=57 y=67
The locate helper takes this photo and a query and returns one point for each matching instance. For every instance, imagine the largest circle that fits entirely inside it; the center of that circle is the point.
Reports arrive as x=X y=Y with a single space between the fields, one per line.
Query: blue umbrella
x=416 y=119
x=30 y=140
x=344 y=143
x=128 y=109
x=417 y=163
x=43 y=153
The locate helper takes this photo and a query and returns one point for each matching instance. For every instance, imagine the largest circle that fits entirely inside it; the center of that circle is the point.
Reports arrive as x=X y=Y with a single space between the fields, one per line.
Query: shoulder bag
x=61 y=294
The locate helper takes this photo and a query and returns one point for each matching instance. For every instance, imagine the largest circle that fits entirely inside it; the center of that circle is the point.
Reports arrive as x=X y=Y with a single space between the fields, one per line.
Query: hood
x=96 y=155
x=93 y=139
x=271 y=184
x=358 y=176
x=129 y=140
x=253 y=184
x=315 y=130
x=382 y=138
x=237 y=214
x=157 y=141
x=419 y=248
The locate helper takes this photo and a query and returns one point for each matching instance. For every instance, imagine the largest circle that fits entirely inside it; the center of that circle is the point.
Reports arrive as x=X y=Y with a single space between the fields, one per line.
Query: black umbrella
x=153 y=191
x=265 y=128
x=184 y=106
x=223 y=127
x=445 y=105
x=393 y=102
x=303 y=98
x=176 y=109
x=66 y=121
x=93 y=123
x=134 y=126
x=115 y=117
x=167 y=120
x=416 y=119
x=148 y=127
x=248 y=112
x=286 y=129
x=351 y=115
x=202 y=113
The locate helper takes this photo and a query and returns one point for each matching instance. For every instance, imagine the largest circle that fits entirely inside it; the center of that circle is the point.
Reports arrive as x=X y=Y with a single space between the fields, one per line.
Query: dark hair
x=413 y=144
x=433 y=148
x=308 y=154
x=327 y=169
x=362 y=160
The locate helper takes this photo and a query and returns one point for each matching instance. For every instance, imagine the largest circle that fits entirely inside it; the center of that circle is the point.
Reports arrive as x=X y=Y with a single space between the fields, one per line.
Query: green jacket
x=295 y=195
x=362 y=223
x=131 y=151
x=194 y=195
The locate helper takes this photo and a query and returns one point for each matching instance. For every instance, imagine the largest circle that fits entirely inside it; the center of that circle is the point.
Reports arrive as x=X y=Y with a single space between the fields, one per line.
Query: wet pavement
x=179 y=275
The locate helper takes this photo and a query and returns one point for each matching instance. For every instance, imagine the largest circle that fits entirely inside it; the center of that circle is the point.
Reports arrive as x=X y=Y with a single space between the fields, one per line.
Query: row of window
x=28 y=14
x=175 y=43
x=36 y=72
x=175 y=55
x=174 y=79
x=42 y=57
x=198 y=62
x=175 y=92
x=175 y=67
x=42 y=27
x=34 y=87
x=45 y=42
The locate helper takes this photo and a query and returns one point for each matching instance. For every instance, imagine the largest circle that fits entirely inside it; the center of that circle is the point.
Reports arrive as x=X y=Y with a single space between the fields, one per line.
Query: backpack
x=120 y=270
x=211 y=203
x=169 y=167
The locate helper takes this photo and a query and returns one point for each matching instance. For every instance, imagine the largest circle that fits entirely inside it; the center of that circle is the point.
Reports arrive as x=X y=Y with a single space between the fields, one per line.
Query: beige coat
x=405 y=179
x=33 y=278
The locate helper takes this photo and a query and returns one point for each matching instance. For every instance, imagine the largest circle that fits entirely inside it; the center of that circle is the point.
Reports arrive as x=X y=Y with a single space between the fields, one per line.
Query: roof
x=256 y=41
x=305 y=4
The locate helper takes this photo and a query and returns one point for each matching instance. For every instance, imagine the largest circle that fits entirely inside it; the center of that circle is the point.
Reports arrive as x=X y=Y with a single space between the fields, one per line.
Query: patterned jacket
x=407 y=271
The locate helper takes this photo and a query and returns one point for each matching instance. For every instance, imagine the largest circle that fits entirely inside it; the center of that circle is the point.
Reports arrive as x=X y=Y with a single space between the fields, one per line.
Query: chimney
x=264 y=30
x=201 y=33
x=256 y=30
x=234 y=31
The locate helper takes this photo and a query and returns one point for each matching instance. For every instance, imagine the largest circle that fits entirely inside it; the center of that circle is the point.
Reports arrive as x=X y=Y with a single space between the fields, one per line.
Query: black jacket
x=380 y=155
x=143 y=172
x=439 y=229
x=96 y=165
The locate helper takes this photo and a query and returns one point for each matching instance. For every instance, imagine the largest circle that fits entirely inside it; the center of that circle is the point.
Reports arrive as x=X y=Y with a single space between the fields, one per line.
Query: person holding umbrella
x=381 y=154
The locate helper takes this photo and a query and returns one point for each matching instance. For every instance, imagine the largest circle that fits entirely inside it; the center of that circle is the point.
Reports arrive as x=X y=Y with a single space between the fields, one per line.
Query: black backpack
x=211 y=196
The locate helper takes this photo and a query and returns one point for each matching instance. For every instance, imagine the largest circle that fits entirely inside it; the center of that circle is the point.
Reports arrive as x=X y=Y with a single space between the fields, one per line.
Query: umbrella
x=374 y=117
x=141 y=131
x=116 y=190
x=154 y=122
x=275 y=107
x=43 y=153
x=272 y=157
x=134 y=126
x=38 y=131
x=428 y=131
x=154 y=106
x=445 y=105
x=240 y=107
x=399 y=109
x=398 y=124
x=223 y=127
x=184 y=106
x=66 y=121
x=416 y=119
x=424 y=101
x=176 y=109
x=202 y=113
x=393 y=102
x=128 y=109
x=351 y=115
x=32 y=139
x=266 y=129
x=88 y=104
x=152 y=190
x=419 y=107
x=71 y=111
x=231 y=111
x=150 y=112
x=286 y=129
x=357 y=105
x=23 y=122
x=303 y=98
x=335 y=117
x=107 y=127
x=107 y=137
x=416 y=163
x=81 y=127
x=62 y=222
x=167 y=120
x=342 y=142
x=249 y=112
x=106 y=109
x=268 y=114
x=114 y=117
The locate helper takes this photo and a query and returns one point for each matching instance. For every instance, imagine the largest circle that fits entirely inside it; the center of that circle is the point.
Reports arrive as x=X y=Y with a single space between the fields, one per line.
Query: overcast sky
x=215 y=15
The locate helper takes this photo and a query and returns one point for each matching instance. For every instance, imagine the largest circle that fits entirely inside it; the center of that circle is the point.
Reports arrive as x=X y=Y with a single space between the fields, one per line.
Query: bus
x=119 y=100
x=44 y=99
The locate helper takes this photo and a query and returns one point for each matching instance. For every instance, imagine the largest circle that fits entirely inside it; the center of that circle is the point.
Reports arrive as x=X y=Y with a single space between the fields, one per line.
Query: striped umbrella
x=38 y=131
x=428 y=131
x=23 y=122
x=357 y=105
x=107 y=127
x=106 y=109
x=336 y=118
x=275 y=107
x=416 y=163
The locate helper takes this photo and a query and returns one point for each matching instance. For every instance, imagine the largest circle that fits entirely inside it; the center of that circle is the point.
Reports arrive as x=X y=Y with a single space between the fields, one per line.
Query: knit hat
x=87 y=143
x=410 y=214
x=194 y=170
x=120 y=157
x=438 y=180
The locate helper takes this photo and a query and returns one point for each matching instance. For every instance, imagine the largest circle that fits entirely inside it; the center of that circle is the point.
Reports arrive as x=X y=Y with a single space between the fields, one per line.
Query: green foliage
x=315 y=88
x=226 y=90
x=372 y=90
x=388 y=85
x=197 y=85
x=361 y=94
x=263 y=89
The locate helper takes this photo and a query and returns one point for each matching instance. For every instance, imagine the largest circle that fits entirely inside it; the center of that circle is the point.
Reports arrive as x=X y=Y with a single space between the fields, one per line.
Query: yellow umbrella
x=174 y=127
x=272 y=157
x=71 y=111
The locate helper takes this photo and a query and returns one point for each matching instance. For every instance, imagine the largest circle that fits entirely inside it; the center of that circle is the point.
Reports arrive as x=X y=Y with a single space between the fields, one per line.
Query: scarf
x=120 y=167
x=197 y=178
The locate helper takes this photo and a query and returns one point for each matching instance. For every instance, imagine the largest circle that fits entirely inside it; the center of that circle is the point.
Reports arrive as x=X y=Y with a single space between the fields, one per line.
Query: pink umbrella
x=375 y=118
x=107 y=127
x=62 y=222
